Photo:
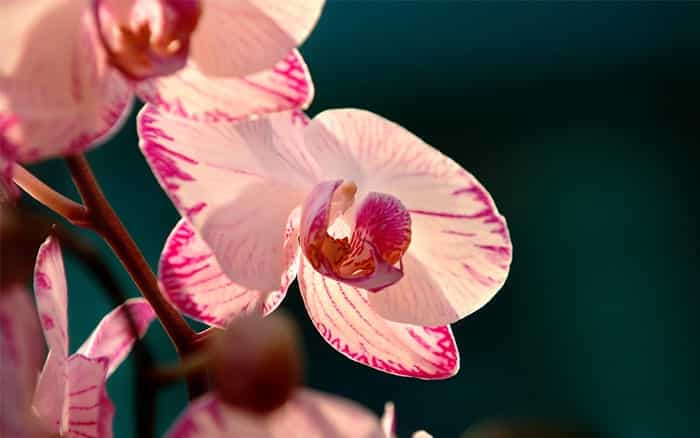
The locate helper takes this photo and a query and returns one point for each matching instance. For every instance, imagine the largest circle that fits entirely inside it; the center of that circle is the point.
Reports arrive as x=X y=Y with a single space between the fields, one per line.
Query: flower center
x=366 y=256
x=151 y=38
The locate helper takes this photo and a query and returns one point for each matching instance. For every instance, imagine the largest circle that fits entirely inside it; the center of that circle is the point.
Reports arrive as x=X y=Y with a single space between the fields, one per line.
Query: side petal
x=114 y=336
x=308 y=414
x=192 y=94
x=57 y=95
x=51 y=294
x=90 y=411
x=458 y=236
x=345 y=319
x=196 y=284
x=243 y=37
x=50 y=398
x=236 y=184
x=20 y=359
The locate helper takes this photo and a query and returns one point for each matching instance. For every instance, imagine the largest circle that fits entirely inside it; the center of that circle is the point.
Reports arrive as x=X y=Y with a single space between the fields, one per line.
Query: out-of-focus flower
x=20 y=358
x=70 y=67
x=256 y=362
x=308 y=414
x=71 y=398
x=390 y=240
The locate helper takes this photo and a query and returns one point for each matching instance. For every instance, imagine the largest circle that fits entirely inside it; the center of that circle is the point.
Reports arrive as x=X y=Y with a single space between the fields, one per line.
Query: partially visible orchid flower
x=20 y=358
x=391 y=240
x=308 y=414
x=71 y=397
x=70 y=67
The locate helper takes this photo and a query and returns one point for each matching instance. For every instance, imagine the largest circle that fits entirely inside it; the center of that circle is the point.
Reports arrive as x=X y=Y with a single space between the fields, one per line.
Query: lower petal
x=345 y=319
x=192 y=94
x=196 y=284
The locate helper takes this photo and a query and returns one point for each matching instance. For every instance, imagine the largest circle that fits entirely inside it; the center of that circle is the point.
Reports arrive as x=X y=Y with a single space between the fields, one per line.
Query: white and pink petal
x=236 y=39
x=51 y=293
x=114 y=336
x=50 y=402
x=237 y=184
x=194 y=95
x=344 y=318
x=90 y=412
x=57 y=95
x=194 y=281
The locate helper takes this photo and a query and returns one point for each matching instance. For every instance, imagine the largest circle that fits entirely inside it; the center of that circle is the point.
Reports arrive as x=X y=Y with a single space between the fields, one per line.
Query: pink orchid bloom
x=308 y=414
x=71 y=398
x=70 y=68
x=390 y=240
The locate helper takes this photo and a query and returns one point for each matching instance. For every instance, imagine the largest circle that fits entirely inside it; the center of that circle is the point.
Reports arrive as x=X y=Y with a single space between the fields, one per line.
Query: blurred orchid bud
x=256 y=362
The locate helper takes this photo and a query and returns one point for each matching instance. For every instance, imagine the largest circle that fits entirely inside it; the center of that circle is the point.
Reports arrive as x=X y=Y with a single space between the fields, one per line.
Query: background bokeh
x=582 y=121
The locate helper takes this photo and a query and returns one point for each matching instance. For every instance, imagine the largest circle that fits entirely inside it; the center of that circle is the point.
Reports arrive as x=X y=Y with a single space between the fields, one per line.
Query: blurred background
x=582 y=121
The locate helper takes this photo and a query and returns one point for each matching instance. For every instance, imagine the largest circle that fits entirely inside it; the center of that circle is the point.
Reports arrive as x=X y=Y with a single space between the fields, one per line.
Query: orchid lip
x=155 y=40
x=367 y=258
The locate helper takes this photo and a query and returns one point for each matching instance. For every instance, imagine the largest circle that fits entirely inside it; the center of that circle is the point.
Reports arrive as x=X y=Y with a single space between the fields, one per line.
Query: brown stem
x=34 y=187
x=107 y=224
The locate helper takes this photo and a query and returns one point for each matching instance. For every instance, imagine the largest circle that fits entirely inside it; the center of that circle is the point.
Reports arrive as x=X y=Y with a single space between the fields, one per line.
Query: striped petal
x=246 y=36
x=20 y=359
x=192 y=94
x=114 y=336
x=57 y=95
x=460 y=247
x=196 y=284
x=237 y=184
x=51 y=294
x=309 y=414
x=90 y=412
x=345 y=319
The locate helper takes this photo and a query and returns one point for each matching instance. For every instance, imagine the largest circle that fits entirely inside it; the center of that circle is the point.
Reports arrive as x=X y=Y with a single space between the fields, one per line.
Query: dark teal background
x=583 y=122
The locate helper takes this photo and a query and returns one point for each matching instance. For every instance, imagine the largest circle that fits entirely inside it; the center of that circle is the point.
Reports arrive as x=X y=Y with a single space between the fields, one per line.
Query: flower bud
x=256 y=362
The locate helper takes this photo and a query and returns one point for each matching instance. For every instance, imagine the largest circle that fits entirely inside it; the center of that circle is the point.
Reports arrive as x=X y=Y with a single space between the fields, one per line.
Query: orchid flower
x=70 y=67
x=308 y=414
x=71 y=397
x=390 y=240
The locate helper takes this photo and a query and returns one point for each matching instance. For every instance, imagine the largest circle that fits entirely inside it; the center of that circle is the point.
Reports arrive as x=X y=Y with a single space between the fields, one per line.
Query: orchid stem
x=37 y=189
x=104 y=221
